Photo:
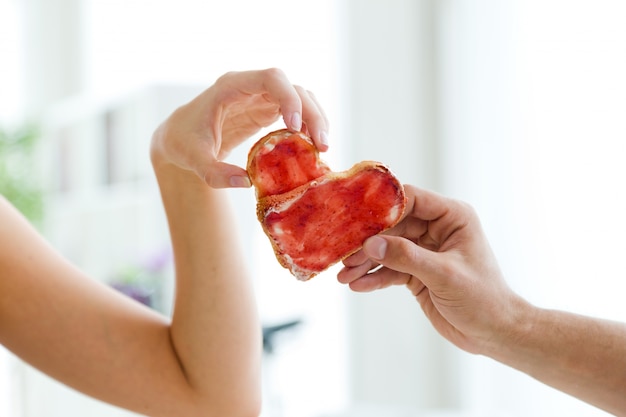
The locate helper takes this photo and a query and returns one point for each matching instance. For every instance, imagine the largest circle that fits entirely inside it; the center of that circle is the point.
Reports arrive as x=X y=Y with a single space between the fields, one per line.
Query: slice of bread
x=315 y=217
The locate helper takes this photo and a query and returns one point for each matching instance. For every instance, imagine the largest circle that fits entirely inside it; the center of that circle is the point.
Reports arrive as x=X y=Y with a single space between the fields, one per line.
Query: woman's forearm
x=215 y=330
x=582 y=356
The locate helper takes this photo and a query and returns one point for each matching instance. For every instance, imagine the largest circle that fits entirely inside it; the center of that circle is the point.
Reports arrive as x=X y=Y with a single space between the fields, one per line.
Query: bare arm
x=582 y=356
x=441 y=254
x=81 y=332
x=214 y=331
x=205 y=361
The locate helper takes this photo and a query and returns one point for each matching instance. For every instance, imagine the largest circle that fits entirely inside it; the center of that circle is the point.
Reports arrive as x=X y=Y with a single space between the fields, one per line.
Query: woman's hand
x=200 y=135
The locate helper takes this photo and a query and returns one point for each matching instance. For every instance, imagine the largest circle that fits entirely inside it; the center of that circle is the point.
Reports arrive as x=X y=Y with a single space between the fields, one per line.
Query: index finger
x=424 y=204
x=442 y=216
x=296 y=104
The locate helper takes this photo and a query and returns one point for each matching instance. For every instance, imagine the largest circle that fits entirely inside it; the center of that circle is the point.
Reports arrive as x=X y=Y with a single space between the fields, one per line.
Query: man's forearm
x=582 y=356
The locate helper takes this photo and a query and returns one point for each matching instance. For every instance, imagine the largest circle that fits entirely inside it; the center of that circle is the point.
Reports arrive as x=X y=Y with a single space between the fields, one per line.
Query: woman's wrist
x=162 y=162
x=158 y=153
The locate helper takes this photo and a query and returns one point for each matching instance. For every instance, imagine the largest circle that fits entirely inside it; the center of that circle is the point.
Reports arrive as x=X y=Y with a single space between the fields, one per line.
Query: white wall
x=11 y=81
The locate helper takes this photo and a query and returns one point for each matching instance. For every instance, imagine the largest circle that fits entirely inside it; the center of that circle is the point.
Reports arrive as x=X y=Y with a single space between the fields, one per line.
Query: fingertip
x=342 y=276
x=295 y=122
x=240 y=181
x=364 y=284
x=375 y=247
x=322 y=141
x=348 y=274
x=223 y=175
x=357 y=259
x=351 y=273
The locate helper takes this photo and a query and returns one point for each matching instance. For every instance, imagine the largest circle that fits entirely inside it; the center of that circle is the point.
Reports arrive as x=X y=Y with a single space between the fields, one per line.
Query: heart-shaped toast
x=315 y=217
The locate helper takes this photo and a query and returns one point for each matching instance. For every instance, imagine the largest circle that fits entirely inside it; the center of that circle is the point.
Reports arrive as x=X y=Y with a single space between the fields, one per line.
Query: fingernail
x=240 y=181
x=375 y=247
x=324 y=138
x=296 y=122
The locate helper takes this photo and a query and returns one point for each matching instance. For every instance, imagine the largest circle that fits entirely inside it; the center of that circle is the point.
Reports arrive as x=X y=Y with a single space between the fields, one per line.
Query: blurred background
x=517 y=107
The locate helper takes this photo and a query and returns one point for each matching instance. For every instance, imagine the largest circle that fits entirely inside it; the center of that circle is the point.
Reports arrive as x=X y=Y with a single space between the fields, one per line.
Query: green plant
x=18 y=182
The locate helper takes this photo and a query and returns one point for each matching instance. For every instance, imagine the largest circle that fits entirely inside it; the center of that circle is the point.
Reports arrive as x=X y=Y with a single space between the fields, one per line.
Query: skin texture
x=440 y=253
x=204 y=361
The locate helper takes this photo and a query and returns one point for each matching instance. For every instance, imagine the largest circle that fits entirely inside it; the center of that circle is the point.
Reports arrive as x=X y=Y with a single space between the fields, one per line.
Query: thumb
x=223 y=175
x=402 y=255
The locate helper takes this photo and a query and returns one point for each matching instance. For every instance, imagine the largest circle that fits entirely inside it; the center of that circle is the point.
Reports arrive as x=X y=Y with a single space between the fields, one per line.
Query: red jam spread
x=284 y=164
x=333 y=218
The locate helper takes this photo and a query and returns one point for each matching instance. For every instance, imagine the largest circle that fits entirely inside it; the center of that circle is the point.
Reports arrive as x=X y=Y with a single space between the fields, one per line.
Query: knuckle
x=466 y=213
x=274 y=73
x=226 y=77
x=401 y=251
